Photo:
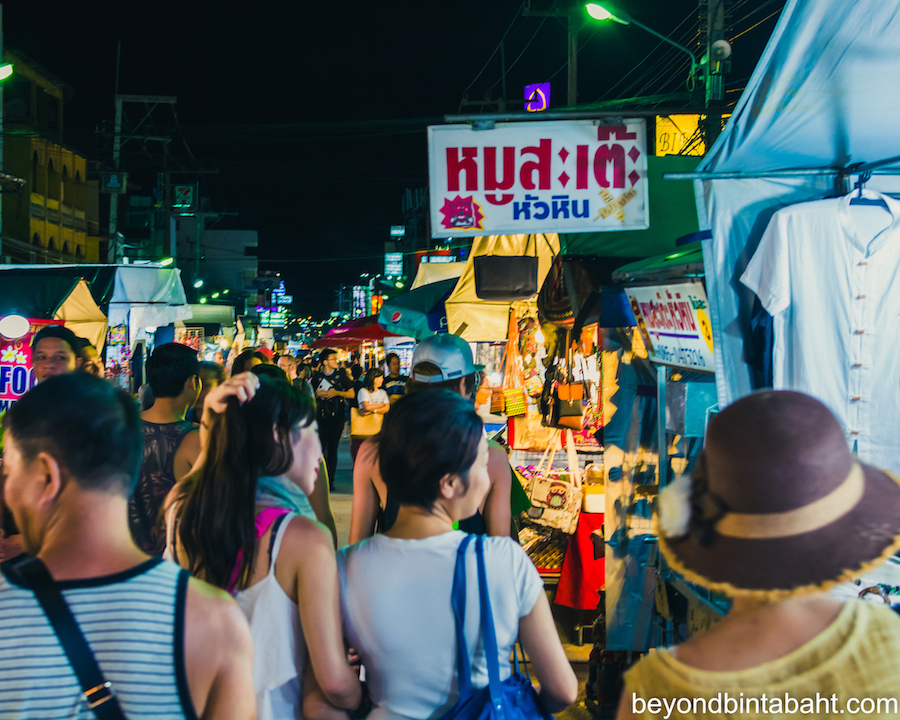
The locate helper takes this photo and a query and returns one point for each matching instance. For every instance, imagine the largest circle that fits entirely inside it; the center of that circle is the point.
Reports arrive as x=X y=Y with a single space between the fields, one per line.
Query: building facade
x=55 y=218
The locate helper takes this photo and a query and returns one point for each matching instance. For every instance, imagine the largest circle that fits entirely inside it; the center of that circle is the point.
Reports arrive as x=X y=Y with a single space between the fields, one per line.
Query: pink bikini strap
x=264 y=520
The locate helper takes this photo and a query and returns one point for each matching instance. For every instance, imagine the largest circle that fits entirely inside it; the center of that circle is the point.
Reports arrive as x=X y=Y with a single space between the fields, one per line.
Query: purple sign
x=537 y=97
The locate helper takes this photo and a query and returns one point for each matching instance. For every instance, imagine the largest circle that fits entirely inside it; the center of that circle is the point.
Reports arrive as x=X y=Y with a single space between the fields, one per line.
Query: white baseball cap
x=449 y=353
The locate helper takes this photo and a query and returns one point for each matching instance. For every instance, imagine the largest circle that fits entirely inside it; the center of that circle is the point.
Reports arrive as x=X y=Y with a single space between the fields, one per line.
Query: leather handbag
x=362 y=426
x=527 y=432
x=506 y=278
x=510 y=699
x=98 y=694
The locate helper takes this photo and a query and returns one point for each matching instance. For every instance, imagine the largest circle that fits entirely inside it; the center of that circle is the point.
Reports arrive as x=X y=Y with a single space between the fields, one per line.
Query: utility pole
x=718 y=54
x=114 y=253
x=574 y=21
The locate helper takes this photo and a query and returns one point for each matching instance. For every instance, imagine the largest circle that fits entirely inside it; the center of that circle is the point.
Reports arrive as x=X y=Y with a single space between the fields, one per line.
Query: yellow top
x=850 y=667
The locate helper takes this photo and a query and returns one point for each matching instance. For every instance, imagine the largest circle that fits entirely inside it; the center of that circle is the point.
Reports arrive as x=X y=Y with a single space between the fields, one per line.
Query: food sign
x=16 y=377
x=674 y=322
x=538 y=177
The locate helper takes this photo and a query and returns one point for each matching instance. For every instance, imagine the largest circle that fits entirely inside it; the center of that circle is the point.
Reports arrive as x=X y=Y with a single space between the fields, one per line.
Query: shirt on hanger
x=827 y=271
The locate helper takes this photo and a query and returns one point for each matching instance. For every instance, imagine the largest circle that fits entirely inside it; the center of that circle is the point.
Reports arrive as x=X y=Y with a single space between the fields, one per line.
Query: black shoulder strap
x=98 y=695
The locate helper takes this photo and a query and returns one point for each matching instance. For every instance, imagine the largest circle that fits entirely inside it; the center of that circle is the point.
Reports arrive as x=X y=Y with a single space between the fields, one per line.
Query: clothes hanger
x=859 y=199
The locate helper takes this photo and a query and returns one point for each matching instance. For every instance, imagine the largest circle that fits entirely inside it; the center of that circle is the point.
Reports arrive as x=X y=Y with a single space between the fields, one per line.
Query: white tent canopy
x=824 y=95
x=477 y=320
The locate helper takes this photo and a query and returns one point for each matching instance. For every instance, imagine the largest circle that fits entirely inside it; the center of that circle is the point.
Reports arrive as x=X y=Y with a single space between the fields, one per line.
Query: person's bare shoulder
x=218 y=652
x=304 y=536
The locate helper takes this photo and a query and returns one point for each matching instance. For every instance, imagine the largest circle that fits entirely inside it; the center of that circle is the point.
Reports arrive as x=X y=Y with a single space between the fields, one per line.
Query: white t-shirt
x=376 y=397
x=829 y=274
x=395 y=602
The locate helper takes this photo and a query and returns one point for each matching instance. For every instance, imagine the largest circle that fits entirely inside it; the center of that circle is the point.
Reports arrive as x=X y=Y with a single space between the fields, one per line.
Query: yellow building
x=55 y=217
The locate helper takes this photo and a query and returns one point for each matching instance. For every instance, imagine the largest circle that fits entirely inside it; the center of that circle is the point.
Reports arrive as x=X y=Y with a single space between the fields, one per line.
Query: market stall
x=26 y=305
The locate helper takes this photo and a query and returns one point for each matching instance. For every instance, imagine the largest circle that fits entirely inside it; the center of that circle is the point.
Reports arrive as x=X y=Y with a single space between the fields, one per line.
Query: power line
x=512 y=65
x=480 y=72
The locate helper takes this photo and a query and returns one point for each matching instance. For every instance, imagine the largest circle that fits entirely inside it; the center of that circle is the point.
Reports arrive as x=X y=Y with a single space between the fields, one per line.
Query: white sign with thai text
x=538 y=177
x=674 y=320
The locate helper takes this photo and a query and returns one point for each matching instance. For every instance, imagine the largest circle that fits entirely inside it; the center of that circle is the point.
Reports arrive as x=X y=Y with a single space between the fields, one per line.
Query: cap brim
x=801 y=564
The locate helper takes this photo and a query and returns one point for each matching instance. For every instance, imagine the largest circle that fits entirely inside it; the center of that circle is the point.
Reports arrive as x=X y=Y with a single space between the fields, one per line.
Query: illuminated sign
x=184 y=196
x=680 y=134
x=537 y=97
x=393 y=264
x=283 y=299
x=398 y=230
x=674 y=321
x=272 y=318
x=538 y=177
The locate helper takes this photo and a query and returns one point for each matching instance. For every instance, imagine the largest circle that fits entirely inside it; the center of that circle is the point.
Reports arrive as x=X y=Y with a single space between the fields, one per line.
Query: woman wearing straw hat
x=776 y=512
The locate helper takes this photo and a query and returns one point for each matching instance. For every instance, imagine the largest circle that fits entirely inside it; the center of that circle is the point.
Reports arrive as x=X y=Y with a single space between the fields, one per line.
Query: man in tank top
x=169 y=645
x=171 y=444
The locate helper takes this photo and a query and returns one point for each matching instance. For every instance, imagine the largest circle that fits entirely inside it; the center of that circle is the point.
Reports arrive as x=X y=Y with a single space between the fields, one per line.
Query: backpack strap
x=98 y=694
x=458 y=601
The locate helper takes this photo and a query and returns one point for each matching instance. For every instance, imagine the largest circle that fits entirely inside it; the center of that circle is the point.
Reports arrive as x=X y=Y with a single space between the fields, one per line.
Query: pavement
x=341 y=502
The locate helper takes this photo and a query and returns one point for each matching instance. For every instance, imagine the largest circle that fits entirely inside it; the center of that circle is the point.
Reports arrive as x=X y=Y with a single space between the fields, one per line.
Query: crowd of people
x=189 y=534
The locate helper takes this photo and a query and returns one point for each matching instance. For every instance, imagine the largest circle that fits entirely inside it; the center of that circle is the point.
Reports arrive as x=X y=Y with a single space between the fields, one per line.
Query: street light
x=165 y=262
x=606 y=11
x=6 y=69
x=198 y=284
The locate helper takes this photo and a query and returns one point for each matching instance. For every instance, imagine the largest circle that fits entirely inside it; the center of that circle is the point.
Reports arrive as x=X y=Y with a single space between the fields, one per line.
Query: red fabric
x=353 y=332
x=582 y=577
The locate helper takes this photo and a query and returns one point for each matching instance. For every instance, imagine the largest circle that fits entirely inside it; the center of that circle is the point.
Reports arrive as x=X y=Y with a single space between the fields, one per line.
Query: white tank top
x=279 y=647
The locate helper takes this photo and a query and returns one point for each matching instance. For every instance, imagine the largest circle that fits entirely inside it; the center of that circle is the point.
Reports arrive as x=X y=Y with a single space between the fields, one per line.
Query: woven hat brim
x=778 y=568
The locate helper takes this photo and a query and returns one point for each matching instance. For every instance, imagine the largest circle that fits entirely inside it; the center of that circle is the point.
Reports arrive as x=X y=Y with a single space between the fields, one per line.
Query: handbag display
x=528 y=432
x=515 y=402
x=98 y=695
x=556 y=496
x=362 y=426
x=512 y=699
x=506 y=278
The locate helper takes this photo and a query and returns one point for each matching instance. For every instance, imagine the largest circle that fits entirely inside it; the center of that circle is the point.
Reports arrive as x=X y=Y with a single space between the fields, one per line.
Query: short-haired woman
x=395 y=587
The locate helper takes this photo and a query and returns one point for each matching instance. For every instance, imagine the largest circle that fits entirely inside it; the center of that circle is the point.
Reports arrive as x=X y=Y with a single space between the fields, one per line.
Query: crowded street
x=508 y=360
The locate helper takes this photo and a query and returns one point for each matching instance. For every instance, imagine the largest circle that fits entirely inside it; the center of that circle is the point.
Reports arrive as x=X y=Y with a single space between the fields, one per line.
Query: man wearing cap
x=441 y=361
x=779 y=516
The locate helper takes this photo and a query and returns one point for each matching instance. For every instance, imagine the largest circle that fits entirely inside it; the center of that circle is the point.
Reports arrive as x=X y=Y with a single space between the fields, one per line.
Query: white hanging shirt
x=829 y=274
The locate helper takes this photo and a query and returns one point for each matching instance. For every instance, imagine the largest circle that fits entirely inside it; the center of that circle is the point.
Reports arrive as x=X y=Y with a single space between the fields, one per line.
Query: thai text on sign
x=674 y=320
x=538 y=177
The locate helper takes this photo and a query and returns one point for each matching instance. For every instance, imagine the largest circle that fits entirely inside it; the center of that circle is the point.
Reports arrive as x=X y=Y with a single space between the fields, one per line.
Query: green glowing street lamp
x=215 y=296
x=6 y=69
x=203 y=301
x=606 y=11
x=165 y=262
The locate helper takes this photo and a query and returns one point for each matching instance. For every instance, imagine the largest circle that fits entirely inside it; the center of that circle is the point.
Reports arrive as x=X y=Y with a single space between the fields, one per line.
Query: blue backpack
x=512 y=699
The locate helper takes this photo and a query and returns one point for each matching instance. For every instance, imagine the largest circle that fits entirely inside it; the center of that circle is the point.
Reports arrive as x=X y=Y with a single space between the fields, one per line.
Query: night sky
x=314 y=114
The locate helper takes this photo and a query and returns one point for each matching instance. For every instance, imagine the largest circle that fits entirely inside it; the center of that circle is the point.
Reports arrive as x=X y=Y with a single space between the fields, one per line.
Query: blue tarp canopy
x=824 y=95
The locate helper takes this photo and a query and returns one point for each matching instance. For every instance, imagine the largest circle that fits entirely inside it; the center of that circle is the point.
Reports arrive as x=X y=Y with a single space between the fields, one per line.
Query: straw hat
x=776 y=505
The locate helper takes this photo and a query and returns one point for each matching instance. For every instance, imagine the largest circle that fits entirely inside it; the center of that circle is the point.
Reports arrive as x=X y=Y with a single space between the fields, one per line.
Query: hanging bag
x=506 y=278
x=515 y=402
x=512 y=699
x=556 y=496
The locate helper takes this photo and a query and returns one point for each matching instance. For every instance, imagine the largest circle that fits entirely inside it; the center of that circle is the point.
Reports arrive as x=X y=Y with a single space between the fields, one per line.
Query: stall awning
x=420 y=313
x=429 y=273
x=353 y=332
x=58 y=296
x=211 y=315
x=477 y=320
x=673 y=213
x=687 y=261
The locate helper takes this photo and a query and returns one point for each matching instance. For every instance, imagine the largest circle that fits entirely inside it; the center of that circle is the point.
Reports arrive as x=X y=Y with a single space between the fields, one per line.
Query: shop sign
x=16 y=377
x=674 y=321
x=538 y=177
